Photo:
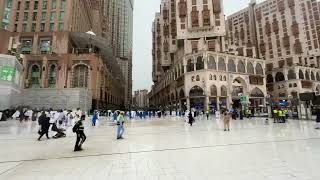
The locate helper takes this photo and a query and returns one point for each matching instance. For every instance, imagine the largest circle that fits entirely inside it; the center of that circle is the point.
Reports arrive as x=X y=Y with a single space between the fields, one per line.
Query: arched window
x=256 y=92
x=35 y=76
x=212 y=63
x=250 y=68
x=196 y=91
x=224 y=78
x=192 y=79
x=291 y=74
x=290 y=85
x=200 y=63
x=224 y=91
x=313 y=78
x=213 y=90
x=80 y=76
x=222 y=64
x=190 y=66
x=318 y=77
x=301 y=75
x=279 y=77
x=214 y=77
x=259 y=69
x=307 y=75
x=197 y=78
x=210 y=77
x=295 y=85
x=231 y=66
x=52 y=76
x=269 y=78
x=241 y=67
x=220 y=78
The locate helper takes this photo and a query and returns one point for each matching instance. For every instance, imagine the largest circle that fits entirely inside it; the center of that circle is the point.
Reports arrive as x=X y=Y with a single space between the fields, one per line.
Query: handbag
x=39 y=131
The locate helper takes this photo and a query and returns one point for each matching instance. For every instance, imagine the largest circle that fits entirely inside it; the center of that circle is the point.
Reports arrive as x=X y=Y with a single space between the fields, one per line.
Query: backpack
x=76 y=127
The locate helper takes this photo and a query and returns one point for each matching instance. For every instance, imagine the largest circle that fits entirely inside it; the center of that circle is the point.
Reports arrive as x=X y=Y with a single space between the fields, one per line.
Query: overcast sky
x=142 y=37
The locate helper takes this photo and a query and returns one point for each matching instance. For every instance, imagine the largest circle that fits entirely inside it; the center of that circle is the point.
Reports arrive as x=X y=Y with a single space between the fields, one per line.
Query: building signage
x=7 y=73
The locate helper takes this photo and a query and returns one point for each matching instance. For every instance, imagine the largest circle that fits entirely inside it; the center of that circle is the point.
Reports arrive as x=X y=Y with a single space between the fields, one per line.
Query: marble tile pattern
x=164 y=149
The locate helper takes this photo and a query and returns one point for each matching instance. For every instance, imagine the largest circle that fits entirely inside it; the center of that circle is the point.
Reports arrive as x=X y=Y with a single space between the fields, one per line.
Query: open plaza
x=165 y=149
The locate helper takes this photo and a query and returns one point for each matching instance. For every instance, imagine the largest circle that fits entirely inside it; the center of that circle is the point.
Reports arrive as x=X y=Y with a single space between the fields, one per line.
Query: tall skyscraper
x=121 y=16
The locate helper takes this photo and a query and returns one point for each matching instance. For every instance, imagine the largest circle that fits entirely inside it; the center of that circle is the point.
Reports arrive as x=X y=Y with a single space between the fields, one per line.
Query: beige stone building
x=140 y=99
x=63 y=66
x=191 y=66
x=286 y=34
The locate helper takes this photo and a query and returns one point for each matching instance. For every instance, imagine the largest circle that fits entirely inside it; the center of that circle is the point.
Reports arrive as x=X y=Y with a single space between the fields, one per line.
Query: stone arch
x=210 y=77
x=52 y=75
x=172 y=97
x=223 y=92
x=231 y=65
x=256 y=92
x=35 y=76
x=197 y=78
x=221 y=64
x=181 y=94
x=313 y=78
x=269 y=78
x=259 y=69
x=196 y=91
x=301 y=75
x=250 y=68
x=241 y=67
x=307 y=75
x=318 y=89
x=212 y=63
x=213 y=91
x=190 y=66
x=80 y=76
x=199 y=63
x=279 y=77
x=239 y=85
x=291 y=74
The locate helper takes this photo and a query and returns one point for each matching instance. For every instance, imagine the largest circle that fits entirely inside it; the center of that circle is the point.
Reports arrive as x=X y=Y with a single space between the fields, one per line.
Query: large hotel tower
x=192 y=66
x=286 y=34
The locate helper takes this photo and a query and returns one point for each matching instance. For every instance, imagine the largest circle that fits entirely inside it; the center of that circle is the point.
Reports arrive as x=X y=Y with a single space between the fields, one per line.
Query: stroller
x=60 y=132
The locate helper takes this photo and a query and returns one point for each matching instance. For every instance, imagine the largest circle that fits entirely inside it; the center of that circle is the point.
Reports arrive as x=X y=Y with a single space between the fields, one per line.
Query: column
x=206 y=103
x=218 y=103
x=188 y=103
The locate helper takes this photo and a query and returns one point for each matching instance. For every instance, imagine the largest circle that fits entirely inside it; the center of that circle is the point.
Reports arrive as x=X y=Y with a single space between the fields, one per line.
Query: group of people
x=280 y=115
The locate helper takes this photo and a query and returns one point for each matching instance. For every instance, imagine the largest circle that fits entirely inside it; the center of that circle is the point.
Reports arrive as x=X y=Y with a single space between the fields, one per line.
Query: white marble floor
x=166 y=149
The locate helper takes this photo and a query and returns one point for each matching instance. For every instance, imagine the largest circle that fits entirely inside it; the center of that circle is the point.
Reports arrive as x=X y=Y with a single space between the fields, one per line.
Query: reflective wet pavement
x=165 y=149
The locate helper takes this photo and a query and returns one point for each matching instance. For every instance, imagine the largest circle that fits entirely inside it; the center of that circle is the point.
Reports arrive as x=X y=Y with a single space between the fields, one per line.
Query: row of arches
x=303 y=75
x=240 y=67
x=80 y=76
x=211 y=78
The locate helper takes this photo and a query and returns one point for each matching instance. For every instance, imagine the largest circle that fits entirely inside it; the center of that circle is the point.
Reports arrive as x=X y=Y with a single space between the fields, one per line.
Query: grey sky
x=142 y=37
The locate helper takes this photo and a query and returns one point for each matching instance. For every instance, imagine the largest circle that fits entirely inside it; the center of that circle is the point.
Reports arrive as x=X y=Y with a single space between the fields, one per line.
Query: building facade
x=63 y=66
x=120 y=16
x=191 y=66
x=284 y=33
x=140 y=99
